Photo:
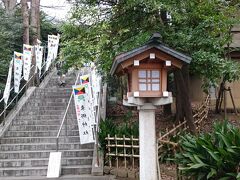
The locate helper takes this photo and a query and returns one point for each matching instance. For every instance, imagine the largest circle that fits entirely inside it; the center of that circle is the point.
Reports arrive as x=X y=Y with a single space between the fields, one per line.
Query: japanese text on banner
x=18 y=64
x=27 y=60
x=85 y=115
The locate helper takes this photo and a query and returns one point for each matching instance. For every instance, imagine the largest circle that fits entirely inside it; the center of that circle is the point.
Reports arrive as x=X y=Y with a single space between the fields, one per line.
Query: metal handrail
x=64 y=116
x=16 y=96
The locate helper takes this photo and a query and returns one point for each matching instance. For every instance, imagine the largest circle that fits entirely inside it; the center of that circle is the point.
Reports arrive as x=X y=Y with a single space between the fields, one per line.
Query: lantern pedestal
x=147 y=132
x=147 y=137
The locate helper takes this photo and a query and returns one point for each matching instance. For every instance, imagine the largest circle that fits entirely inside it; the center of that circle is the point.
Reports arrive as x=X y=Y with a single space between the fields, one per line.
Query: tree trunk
x=179 y=108
x=35 y=25
x=10 y=6
x=183 y=103
x=25 y=16
x=38 y=19
x=167 y=109
x=35 y=20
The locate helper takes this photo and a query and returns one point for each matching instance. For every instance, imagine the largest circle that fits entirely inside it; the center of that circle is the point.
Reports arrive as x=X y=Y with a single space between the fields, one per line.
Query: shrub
x=105 y=127
x=211 y=156
x=109 y=127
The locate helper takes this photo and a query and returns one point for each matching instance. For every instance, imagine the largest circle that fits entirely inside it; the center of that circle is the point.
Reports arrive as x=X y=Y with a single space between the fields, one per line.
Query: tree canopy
x=11 y=32
x=99 y=30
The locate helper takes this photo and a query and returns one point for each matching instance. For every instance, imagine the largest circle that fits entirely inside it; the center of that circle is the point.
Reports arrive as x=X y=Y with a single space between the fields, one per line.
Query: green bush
x=108 y=127
x=105 y=127
x=211 y=156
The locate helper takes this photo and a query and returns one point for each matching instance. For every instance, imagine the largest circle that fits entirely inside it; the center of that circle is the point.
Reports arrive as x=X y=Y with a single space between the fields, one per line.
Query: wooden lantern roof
x=162 y=53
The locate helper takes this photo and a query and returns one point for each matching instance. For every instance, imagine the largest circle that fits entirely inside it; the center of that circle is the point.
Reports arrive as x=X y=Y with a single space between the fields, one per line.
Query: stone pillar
x=147 y=136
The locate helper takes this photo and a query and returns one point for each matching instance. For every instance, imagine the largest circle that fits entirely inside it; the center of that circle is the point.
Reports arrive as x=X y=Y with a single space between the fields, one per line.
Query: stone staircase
x=25 y=147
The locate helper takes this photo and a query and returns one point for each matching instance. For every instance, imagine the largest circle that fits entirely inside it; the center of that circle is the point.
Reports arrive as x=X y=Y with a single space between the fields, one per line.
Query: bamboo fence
x=122 y=150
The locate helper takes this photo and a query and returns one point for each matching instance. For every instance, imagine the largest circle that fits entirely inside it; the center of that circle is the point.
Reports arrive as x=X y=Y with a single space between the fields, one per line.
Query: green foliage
x=10 y=40
x=99 y=30
x=47 y=27
x=105 y=127
x=204 y=61
x=11 y=30
x=109 y=127
x=167 y=152
x=211 y=156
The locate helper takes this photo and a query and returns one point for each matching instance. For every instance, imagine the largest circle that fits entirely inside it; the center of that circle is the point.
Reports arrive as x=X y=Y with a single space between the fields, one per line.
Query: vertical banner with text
x=18 y=64
x=8 y=83
x=96 y=81
x=27 y=60
x=53 y=42
x=84 y=113
x=39 y=58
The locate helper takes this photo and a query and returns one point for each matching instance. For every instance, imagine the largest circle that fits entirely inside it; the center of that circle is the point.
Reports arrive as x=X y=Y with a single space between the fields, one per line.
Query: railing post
x=5 y=113
x=66 y=131
x=16 y=101
x=57 y=144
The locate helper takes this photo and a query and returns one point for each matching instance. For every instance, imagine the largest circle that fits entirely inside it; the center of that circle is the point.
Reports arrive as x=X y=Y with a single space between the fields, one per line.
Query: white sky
x=59 y=8
x=55 y=8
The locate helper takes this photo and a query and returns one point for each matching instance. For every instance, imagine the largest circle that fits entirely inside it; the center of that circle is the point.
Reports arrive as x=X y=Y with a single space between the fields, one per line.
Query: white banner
x=39 y=58
x=18 y=64
x=53 y=42
x=8 y=83
x=27 y=60
x=96 y=82
x=56 y=40
x=85 y=115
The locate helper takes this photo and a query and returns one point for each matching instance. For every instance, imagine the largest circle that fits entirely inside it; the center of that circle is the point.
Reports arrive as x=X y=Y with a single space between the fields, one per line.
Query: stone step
x=50 y=100
x=77 y=169
x=52 y=96
x=50 y=111
x=39 y=112
x=45 y=146
x=37 y=122
x=40 y=133
x=44 y=154
x=69 y=81
x=62 y=177
x=45 y=117
x=57 y=122
x=41 y=127
x=6 y=163
x=50 y=139
x=43 y=103
x=53 y=90
x=42 y=108
x=42 y=170
x=55 y=84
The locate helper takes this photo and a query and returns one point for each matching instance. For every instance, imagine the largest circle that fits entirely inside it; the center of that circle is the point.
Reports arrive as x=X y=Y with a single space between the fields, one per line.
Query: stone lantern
x=146 y=69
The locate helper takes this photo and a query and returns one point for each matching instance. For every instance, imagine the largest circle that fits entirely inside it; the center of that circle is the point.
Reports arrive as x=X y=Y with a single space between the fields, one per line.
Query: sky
x=56 y=8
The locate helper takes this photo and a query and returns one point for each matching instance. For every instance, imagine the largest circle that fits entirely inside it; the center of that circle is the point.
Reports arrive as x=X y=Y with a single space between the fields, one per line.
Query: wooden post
x=109 y=151
x=133 y=163
x=230 y=92
x=116 y=150
x=225 y=103
x=124 y=151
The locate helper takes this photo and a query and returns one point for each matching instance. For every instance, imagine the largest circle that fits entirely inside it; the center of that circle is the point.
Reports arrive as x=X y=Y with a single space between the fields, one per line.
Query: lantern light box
x=146 y=68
